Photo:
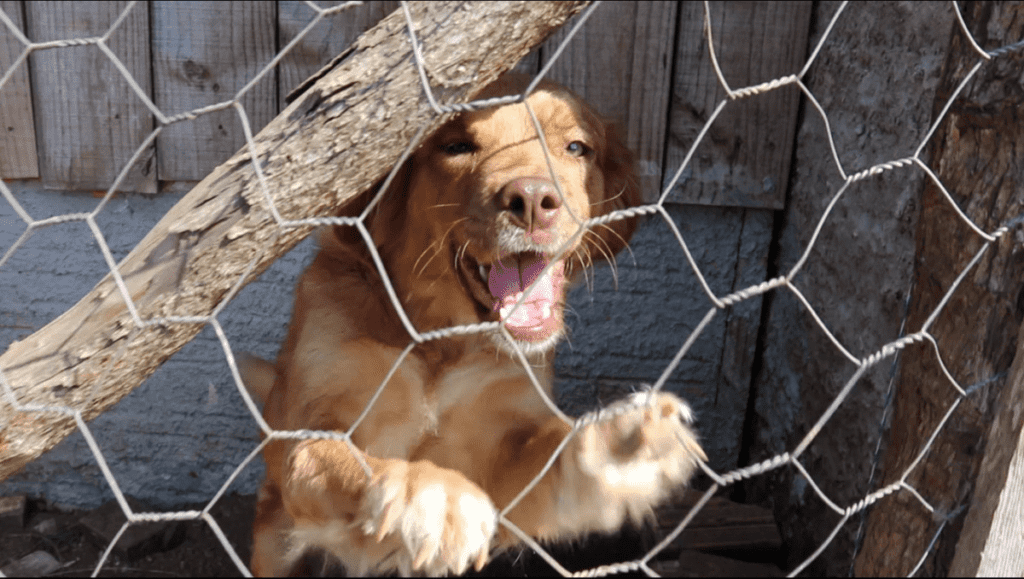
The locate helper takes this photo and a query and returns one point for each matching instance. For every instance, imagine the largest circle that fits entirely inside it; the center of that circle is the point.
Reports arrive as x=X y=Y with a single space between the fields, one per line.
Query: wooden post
x=341 y=136
x=978 y=154
x=990 y=543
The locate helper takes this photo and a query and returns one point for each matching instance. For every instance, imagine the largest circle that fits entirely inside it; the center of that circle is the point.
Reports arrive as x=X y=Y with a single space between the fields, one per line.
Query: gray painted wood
x=89 y=120
x=203 y=54
x=744 y=159
x=17 y=129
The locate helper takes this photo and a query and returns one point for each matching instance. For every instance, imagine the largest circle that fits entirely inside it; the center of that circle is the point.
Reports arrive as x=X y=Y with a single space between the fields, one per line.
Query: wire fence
x=718 y=303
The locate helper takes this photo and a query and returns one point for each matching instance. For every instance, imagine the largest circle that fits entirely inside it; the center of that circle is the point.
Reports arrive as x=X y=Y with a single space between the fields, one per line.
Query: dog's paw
x=642 y=444
x=439 y=521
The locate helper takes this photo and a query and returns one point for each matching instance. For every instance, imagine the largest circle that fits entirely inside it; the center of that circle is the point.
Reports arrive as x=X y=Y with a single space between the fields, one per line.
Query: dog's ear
x=621 y=190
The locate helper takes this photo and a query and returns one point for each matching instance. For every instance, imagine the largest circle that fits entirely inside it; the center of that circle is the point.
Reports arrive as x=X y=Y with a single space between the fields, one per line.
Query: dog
x=480 y=225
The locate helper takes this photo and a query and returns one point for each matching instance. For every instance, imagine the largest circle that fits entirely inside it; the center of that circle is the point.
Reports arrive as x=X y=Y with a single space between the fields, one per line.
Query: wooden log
x=318 y=46
x=336 y=140
x=978 y=154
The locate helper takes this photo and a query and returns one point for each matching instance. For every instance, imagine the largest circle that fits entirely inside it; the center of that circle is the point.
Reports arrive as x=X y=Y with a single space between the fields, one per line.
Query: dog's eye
x=577 y=149
x=458 y=148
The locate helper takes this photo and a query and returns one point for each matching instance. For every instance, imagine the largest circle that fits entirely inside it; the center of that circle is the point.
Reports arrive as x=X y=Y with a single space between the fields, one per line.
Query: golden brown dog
x=474 y=229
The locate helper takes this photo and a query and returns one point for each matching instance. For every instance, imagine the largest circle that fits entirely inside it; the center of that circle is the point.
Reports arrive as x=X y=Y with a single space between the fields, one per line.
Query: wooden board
x=744 y=159
x=697 y=564
x=620 y=61
x=332 y=35
x=204 y=54
x=90 y=121
x=17 y=127
x=721 y=525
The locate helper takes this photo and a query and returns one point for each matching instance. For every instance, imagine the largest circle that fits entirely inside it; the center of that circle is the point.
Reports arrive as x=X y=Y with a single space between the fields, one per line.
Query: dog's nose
x=532 y=203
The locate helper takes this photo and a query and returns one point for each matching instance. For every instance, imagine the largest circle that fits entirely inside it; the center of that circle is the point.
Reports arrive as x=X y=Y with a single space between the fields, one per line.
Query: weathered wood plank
x=697 y=564
x=334 y=141
x=976 y=154
x=621 y=61
x=989 y=544
x=744 y=159
x=17 y=127
x=90 y=120
x=720 y=525
x=326 y=40
x=204 y=54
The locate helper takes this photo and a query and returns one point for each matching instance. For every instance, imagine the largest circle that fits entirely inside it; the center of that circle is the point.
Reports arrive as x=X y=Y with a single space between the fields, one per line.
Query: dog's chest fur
x=445 y=392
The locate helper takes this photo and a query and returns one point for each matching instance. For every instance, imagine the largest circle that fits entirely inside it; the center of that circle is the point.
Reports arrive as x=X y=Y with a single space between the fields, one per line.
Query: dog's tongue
x=535 y=318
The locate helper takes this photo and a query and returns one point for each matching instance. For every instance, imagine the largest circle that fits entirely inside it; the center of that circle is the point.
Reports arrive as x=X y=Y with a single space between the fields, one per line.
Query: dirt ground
x=198 y=554
x=194 y=550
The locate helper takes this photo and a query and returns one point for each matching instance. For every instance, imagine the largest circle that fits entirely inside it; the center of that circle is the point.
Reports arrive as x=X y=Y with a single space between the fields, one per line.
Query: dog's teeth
x=545 y=312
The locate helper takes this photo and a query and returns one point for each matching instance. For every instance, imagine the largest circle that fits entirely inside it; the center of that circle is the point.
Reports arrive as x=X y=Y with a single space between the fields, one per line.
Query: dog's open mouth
x=502 y=284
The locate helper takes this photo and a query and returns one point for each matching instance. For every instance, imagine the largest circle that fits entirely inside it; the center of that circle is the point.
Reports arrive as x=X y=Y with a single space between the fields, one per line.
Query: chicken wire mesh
x=717 y=303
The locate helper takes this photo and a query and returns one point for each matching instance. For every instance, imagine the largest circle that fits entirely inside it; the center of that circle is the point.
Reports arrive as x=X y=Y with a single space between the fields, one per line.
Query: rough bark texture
x=876 y=82
x=978 y=153
x=333 y=142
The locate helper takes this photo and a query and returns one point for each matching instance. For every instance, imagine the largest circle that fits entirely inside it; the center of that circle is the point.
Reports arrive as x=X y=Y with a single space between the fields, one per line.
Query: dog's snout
x=532 y=203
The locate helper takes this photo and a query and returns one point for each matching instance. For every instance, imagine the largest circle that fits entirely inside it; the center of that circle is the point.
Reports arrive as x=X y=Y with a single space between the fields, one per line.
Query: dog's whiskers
x=438 y=245
x=621 y=192
x=602 y=246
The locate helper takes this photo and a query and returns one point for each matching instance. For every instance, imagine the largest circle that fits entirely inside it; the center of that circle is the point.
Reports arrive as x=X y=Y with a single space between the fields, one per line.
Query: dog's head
x=482 y=213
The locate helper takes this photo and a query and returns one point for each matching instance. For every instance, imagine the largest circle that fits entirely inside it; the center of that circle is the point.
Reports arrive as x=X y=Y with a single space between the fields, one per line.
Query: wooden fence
x=643 y=64
x=631 y=60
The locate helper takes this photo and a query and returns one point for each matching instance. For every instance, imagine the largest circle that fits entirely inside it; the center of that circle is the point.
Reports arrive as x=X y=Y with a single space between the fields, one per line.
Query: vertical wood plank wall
x=17 y=126
x=744 y=160
x=644 y=64
x=203 y=54
x=89 y=122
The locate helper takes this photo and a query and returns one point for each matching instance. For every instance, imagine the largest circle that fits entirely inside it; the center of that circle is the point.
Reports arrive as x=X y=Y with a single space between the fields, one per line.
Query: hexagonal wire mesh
x=718 y=303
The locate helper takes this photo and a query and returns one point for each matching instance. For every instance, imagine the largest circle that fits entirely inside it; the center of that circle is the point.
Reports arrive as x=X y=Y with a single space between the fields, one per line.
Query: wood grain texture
x=327 y=39
x=90 y=120
x=620 y=61
x=989 y=544
x=744 y=159
x=17 y=126
x=203 y=54
x=336 y=140
x=978 y=154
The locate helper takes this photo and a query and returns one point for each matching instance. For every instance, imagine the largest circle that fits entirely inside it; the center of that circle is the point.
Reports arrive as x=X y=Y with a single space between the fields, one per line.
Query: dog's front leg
x=621 y=462
x=404 y=516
